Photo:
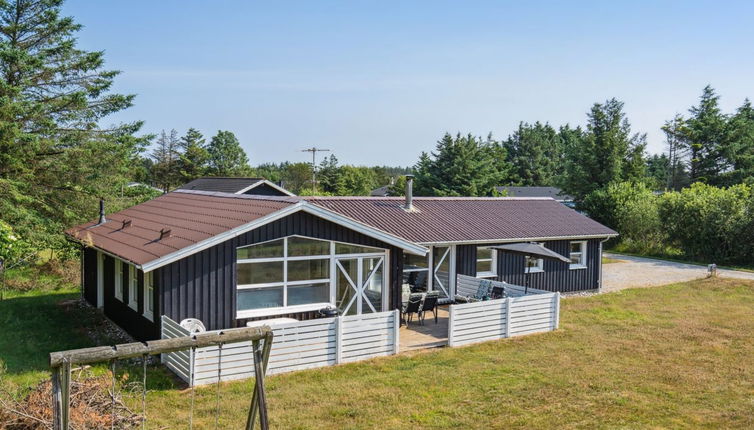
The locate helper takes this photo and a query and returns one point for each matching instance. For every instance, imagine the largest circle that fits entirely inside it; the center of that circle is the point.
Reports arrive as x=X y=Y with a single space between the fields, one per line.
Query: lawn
x=677 y=356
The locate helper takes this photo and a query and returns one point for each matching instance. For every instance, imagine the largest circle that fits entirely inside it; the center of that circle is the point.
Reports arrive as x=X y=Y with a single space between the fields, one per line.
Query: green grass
x=669 y=357
x=608 y=260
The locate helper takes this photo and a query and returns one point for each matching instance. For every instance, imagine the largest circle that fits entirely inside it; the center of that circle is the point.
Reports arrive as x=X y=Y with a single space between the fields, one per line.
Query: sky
x=378 y=82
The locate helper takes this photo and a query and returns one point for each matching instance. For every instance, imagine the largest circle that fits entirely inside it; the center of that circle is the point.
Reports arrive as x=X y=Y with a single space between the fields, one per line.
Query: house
x=227 y=258
x=383 y=191
x=552 y=192
x=256 y=186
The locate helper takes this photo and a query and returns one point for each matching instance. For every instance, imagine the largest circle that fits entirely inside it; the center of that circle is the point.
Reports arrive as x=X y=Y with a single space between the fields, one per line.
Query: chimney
x=102 y=218
x=409 y=193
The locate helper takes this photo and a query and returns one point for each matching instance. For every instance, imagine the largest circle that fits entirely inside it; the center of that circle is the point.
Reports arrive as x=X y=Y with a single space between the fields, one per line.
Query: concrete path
x=633 y=272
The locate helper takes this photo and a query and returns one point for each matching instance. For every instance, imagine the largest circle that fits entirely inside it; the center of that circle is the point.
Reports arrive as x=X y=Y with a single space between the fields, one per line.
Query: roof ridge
x=420 y=198
x=289 y=199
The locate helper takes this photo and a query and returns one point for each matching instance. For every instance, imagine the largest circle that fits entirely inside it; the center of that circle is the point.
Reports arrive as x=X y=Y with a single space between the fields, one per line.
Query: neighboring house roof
x=200 y=219
x=551 y=192
x=380 y=192
x=230 y=185
x=467 y=219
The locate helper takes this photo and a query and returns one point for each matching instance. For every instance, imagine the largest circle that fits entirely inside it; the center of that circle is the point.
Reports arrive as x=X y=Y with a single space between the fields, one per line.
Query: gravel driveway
x=633 y=272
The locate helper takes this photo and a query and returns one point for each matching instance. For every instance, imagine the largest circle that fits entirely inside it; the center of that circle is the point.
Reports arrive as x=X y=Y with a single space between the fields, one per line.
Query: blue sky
x=379 y=82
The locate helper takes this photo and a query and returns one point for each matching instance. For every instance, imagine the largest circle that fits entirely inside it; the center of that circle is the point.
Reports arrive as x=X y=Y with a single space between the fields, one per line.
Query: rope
x=219 y=371
x=144 y=393
x=112 y=411
x=193 y=388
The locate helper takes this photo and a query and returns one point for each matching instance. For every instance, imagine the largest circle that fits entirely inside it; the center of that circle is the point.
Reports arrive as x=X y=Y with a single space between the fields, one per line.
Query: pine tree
x=194 y=156
x=606 y=152
x=55 y=160
x=739 y=145
x=166 y=156
x=677 y=152
x=226 y=157
x=462 y=166
x=704 y=137
x=535 y=151
x=329 y=175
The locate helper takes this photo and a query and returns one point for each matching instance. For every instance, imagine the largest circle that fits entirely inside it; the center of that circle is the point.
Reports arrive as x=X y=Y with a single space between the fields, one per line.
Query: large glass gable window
x=289 y=272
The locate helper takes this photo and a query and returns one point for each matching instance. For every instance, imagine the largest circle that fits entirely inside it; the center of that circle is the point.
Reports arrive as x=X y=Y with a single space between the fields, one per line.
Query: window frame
x=492 y=260
x=331 y=256
x=583 y=255
x=148 y=288
x=133 y=288
x=118 y=269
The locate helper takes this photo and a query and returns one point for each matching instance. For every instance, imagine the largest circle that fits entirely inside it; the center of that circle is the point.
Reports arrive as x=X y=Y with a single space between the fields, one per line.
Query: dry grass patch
x=676 y=356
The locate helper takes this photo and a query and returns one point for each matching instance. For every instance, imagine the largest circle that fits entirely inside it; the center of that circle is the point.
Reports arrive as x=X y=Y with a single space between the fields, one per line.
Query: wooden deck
x=429 y=335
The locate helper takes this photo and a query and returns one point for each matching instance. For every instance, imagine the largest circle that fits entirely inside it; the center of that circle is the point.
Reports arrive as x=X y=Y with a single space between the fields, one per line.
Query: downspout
x=599 y=279
x=81 y=252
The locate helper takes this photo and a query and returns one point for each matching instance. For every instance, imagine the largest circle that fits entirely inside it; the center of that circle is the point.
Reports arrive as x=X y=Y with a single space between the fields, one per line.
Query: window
x=149 y=296
x=415 y=272
x=294 y=271
x=534 y=265
x=133 y=288
x=486 y=262
x=578 y=255
x=118 y=280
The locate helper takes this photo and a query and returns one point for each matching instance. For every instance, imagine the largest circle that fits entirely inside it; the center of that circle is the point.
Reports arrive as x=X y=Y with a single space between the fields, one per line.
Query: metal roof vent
x=102 y=218
x=409 y=205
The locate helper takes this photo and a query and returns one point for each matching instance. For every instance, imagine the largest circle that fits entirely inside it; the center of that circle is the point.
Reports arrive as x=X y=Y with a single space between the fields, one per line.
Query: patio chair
x=412 y=307
x=498 y=293
x=429 y=305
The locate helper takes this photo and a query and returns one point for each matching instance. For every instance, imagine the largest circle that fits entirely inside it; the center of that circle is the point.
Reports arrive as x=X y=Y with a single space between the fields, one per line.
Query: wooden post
x=396 y=331
x=508 y=303
x=451 y=314
x=259 y=402
x=338 y=339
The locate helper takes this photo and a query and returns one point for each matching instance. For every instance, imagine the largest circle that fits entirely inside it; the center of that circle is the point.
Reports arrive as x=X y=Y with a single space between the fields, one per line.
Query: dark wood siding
x=203 y=285
x=265 y=190
x=89 y=275
x=557 y=276
x=133 y=322
x=466 y=260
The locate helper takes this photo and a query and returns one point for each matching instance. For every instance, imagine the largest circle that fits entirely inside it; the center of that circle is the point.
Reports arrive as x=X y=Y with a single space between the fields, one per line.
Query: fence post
x=451 y=314
x=508 y=303
x=557 y=311
x=338 y=339
x=396 y=331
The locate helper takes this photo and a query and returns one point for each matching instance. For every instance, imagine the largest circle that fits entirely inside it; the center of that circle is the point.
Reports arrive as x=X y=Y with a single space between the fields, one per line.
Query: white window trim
x=493 y=264
x=148 y=292
x=133 y=288
x=100 y=279
x=118 y=279
x=583 y=255
x=331 y=257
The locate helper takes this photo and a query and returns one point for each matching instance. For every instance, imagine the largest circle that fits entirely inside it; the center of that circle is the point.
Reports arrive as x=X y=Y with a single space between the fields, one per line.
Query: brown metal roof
x=466 y=219
x=190 y=216
x=196 y=216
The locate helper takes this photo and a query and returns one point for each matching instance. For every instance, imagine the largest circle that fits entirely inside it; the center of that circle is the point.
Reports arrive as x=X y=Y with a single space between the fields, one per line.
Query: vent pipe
x=102 y=218
x=409 y=193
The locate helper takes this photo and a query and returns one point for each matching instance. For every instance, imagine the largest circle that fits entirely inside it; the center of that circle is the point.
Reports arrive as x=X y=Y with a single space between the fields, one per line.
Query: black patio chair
x=412 y=307
x=429 y=305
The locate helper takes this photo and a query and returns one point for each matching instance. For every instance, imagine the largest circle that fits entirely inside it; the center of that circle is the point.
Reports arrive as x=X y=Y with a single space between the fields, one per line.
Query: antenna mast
x=314 y=150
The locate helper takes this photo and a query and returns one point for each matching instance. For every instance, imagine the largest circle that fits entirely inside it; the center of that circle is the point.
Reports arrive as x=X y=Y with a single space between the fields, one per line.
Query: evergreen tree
x=193 y=157
x=55 y=160
x=658 y=171
x=226 y=157
x=535 y=151
x=607 y=152
x=704 y=136
x=739 y=146
x=677 y=152
x=329 y=175
x=462 y=166
x=166 y=168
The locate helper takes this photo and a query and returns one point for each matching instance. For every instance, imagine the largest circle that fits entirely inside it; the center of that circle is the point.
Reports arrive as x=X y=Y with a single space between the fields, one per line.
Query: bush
x=12 y=247
x=709 y=223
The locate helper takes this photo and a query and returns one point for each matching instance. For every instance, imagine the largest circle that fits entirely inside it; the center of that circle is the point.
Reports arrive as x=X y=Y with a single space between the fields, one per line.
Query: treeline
x=176 y=160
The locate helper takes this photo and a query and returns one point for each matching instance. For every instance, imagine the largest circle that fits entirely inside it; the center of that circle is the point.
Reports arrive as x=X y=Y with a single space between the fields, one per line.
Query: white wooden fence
x=515 y=315
x=296 y=346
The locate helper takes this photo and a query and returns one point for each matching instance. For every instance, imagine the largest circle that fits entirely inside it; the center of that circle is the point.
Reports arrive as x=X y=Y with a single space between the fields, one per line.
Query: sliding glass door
x=360 y=284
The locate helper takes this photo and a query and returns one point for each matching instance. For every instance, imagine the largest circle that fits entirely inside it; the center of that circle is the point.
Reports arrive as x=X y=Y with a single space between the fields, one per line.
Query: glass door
x=360 y=284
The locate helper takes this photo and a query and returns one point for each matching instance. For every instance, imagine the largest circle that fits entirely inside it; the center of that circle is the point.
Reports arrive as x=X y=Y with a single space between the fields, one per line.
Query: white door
x=360 y=284
x=442 y=267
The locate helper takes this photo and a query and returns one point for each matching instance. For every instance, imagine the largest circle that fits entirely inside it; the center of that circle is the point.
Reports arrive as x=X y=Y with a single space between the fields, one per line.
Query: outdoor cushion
x=483 y=292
